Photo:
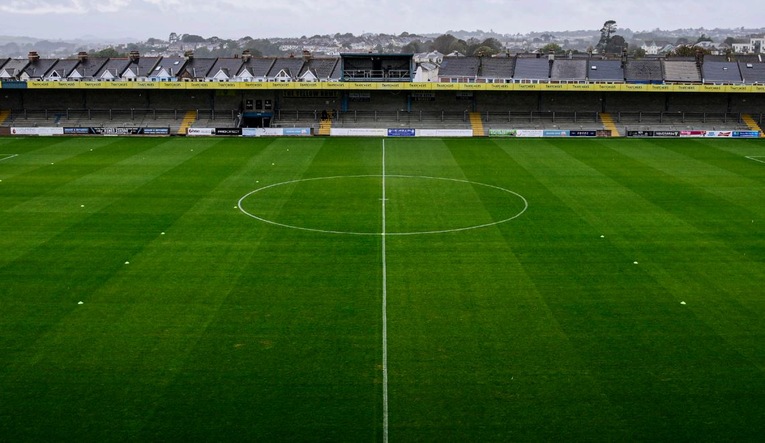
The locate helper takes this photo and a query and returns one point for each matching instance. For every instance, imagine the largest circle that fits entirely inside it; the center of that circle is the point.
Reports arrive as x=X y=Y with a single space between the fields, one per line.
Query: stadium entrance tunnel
x=256 y=119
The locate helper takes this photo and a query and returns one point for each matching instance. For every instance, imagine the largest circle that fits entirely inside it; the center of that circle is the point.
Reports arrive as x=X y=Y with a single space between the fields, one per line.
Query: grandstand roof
x=38 y=68
x=681 y=71
x=459 y=67
x=569 y=70
x=497 y=67
x=643 y=71
x=605 y=70
x=752 y=72
x=720 y=72
x=532 y=69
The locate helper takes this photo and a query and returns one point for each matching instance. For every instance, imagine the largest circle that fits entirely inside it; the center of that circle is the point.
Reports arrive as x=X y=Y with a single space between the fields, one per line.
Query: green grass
x=224 y=327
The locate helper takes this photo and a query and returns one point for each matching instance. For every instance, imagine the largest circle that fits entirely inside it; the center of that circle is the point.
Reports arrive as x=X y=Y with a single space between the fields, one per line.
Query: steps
x=4 y=114
x=188 y=119
x=746 y=117
x=477 y=124
x=325 y=126
x=608 y=123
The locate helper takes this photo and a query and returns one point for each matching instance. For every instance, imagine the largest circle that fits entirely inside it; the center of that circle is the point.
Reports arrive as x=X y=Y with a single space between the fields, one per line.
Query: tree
x=687 y=51
x=106 y=53
x=551 y=47
x=191 y=38
x=605 y=34
x=638 y=53
x=615 y=45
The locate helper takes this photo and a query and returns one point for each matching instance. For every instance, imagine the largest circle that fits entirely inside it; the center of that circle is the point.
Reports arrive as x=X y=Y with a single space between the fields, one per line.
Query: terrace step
x=477 y=124
x=325 y=126
x=188 y=119
x=746 y=117
x=608 y=123
x=4 y=114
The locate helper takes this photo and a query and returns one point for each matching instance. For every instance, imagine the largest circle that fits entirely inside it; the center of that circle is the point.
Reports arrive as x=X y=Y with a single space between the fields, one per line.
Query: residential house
x=167 y=69
x=459 y=69
x=605 y=71
x=37 y=67
x=286 y=69
x=139 y=68
x=532 y=70
x=320 y=69
x=12 y=69
x=656 y=47
x=255 y=69
x=225 y=69
x=195 y=69
x=60 y=71
x=112 y=70
x=87 y=68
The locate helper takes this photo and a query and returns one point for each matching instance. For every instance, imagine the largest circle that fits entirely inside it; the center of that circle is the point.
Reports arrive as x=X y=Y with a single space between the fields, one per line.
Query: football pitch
x=323 y=289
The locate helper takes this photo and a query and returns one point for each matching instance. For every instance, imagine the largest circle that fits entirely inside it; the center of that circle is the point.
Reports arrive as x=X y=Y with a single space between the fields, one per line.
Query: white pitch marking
x=384 y=308
x=329 y=231
x=8 y=156
x=756 y=158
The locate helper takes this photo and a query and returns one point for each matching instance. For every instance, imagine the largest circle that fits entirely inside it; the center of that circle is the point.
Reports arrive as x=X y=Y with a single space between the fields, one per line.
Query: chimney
x=306 y=55
x=33 y=56
x=624 y=57
x=188 y=55
x=135 y=56
x=551 y=55
x=246 y=55
x=699 y=57
x=82 y=56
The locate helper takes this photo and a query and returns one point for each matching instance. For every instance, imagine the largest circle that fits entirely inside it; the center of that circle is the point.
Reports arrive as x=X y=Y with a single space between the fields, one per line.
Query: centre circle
x=382 y=205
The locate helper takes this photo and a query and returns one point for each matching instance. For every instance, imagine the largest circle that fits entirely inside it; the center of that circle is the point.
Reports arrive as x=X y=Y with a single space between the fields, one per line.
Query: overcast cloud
x=141 y=19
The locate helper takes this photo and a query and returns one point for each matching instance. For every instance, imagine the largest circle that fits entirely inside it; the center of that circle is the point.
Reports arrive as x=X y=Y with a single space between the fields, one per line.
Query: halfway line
x=384 y=309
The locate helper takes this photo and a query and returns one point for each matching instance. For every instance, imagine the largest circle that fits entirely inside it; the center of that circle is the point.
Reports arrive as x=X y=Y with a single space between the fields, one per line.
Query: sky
x=141 y=19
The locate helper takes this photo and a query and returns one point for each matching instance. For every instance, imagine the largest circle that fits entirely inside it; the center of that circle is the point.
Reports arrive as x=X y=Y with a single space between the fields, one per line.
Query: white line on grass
x=756 y=158
x=384 y=309
x=8 y=156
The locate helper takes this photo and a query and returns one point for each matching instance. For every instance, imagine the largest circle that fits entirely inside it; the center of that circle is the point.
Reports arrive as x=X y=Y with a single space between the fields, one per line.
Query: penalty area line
x=759 y=159
x=7 y=156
